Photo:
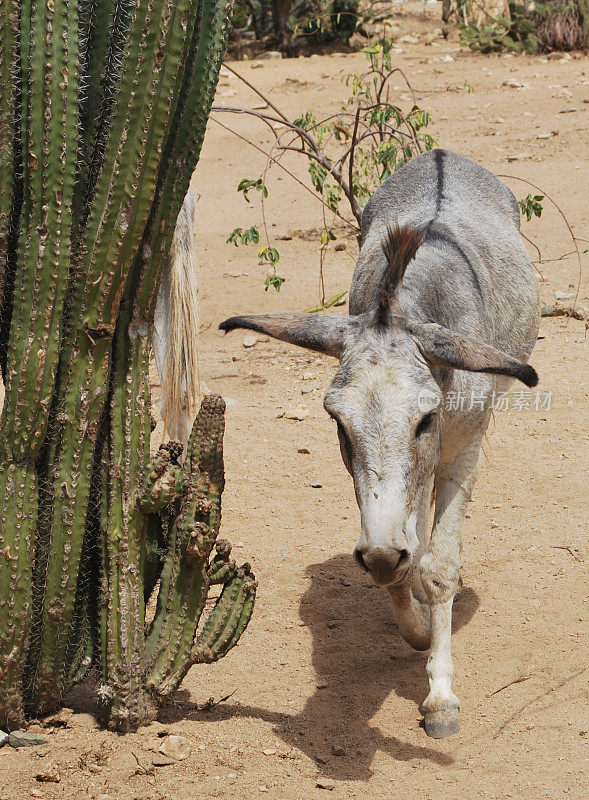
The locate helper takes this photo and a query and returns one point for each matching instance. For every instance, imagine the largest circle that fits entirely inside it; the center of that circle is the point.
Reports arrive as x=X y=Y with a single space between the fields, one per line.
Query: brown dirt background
x=317 y=618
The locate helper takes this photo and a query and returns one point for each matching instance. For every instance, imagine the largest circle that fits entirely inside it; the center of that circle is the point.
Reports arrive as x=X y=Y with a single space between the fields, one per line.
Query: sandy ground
x=319 y=620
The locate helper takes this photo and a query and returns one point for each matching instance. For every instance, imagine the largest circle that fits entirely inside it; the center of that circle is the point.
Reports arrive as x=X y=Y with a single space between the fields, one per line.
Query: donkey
x=443 y=304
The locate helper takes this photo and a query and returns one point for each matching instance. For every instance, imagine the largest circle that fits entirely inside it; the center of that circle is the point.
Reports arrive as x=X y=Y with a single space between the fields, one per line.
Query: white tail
x=175 y=336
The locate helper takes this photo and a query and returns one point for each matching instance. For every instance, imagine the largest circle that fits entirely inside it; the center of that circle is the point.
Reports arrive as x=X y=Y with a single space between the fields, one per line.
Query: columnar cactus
x=103 y=109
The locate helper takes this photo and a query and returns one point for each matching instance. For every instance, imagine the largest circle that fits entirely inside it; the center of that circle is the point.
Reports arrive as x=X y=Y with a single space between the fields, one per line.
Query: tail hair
x=175 y=339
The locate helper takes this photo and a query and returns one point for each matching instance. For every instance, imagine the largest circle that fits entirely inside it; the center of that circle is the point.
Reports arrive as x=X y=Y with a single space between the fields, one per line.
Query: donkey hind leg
x=410 y=603
x=440 y=573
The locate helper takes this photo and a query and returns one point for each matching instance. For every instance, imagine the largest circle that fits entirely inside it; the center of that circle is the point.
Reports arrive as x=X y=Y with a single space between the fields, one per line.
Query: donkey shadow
x=359 y=659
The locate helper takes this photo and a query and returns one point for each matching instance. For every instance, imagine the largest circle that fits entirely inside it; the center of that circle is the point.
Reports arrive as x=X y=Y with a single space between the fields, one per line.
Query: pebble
x=59 y=720
x=49 y=775
x=269 y=752
x=269 y=55
x=316 y=485
x=308 y=376
x=338 y=750
x=321 y=683
x=519 y=157
x=299 y=413
x=325 y=783
x=307 y=389
x=25 y=739
x=177 y=747
x=250 y=340
x=162 y=761
x=513 y=83
x=3 y=738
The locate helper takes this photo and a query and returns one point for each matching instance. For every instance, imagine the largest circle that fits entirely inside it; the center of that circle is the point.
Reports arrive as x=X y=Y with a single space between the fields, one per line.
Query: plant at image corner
x=350 y=153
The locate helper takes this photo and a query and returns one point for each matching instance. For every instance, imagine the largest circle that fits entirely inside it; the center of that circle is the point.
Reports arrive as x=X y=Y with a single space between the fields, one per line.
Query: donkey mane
x=400 y=245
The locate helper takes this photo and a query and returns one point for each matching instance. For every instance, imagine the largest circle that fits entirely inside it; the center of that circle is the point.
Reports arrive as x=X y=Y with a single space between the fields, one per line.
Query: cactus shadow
x=360 y=659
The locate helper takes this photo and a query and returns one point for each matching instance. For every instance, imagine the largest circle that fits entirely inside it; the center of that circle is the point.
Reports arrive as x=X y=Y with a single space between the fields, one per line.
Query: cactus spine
x=103 y=109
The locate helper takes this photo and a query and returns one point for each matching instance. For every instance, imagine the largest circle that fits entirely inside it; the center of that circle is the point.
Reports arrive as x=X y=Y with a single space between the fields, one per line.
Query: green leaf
x=275 y=281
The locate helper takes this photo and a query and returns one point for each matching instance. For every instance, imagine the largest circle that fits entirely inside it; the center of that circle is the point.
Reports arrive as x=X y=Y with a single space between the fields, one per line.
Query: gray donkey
x=443 y=306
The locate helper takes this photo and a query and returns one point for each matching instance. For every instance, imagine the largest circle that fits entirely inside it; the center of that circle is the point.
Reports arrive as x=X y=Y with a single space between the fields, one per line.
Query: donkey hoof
x=439 y=724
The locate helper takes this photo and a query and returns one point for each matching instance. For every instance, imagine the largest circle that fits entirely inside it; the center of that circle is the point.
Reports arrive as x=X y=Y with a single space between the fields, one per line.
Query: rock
x=299 y=413
x=316 y=485
x=564 y=92
x=519 y=157
x=269 y=752
x=321 y=683
x=162 y=761
x=339 y=247
x=338 y=750
x=513 y=83
x=408 y=39
x=446 y=59
x=308 y=376
x=325 y=783
x=234 y=274
x=323 y=758
x=25 y=739
x=3 y=738
x=307 y=389
x=303 y=451
x=49 y=775
x=269 y=55
x=250 y=340
x=59 y=720
x=564 y=295
x=176 y=747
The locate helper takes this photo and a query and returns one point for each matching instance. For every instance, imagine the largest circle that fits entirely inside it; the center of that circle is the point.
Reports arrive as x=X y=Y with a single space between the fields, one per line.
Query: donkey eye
x=424 y=424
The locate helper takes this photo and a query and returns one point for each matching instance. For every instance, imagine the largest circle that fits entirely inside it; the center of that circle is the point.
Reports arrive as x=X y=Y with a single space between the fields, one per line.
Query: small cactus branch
x=228 y=619
x=184 y=585
x=164 y=480
x=221 y=568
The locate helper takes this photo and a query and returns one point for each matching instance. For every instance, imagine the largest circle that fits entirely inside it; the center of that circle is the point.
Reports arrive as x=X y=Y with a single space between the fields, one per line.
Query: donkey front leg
x=440 y=574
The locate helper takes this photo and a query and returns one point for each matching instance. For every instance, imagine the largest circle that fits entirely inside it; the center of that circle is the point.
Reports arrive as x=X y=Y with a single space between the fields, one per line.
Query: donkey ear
x=326 y=334
x=447 y=348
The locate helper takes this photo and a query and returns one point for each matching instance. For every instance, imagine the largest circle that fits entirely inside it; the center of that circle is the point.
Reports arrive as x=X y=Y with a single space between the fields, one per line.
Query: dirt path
x=319 y=621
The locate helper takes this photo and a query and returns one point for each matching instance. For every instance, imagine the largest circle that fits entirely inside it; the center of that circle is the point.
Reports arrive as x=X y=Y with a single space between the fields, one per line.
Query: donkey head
x=389 y=440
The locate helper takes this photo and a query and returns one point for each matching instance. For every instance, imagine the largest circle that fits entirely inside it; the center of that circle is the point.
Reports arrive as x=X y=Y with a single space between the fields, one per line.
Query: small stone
x=564 y=92
x=564 y=295
x=270 y=55
x=316 y=485
x=321 y=683
x=59 y=720
x=49 y=775
x=307 y=389
x=3 y=738
x=519 y=157
x=322 y=758
x=25 y=739
x=512 y=83
x=338 y=750
x=235 y=274
x=269 y=752
x=408 y=39
x=308 y=376
x=162 y=761
x=303 y=451
x=250 y=340
x=339 y=247
x=177 y=747
x=299 y=413
x=325 y=783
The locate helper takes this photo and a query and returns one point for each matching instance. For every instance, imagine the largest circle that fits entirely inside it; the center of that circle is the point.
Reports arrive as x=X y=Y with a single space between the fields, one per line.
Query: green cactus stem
x=103 y=110
x=228 y=619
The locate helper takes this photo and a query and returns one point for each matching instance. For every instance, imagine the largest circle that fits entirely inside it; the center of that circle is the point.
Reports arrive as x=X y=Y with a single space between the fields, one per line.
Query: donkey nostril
x=360 y=560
